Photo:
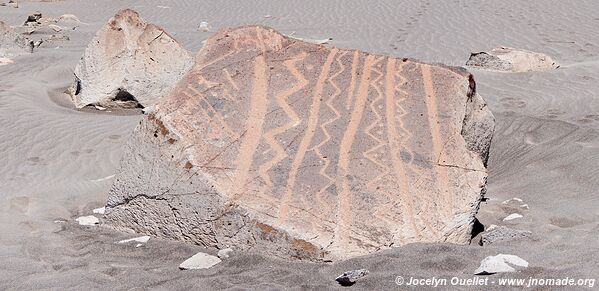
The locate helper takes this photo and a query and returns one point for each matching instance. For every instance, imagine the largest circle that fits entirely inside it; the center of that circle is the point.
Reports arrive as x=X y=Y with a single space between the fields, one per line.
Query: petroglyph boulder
x=304 y=151
x=11 y=43
x=511 y=60
x=129 y=63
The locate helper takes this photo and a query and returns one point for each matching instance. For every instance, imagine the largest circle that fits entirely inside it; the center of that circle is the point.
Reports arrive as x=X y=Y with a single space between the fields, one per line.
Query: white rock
x=5 y=61
x=204 y=26
x=141 y=239
x=68 y=18
x=88 y=220
x=138 y=245
x=55 y=27
x=224 y=253
x=509 y=59
x=199 y=261
x=499 y=264
x=524 y=206
x=512 y=199
x=128 y=63
x=512 y=216
x=491 y=227
x=100 y=210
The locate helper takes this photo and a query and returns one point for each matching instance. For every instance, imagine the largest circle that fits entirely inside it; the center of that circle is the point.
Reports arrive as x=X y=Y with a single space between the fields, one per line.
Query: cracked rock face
x=509 y=59
x=304 y=151
x=11 y=43
x=129 y=63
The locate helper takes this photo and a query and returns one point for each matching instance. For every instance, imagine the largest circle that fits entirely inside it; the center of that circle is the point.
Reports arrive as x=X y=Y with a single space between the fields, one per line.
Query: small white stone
x=492 y=227
x=204 y=26
x=100 y=210
x=224 y=253
x=524 y=206
x=55 y=27
x=499 y=264
x=512 y=217
x=199 y=261
x=512 y=199
x=141 y=239
x=88 y=220
x=138 y=245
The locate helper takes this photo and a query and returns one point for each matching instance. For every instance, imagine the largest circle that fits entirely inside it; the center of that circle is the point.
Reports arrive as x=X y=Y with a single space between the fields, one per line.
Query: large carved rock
x=11 y=43
x=128 y=63
x=304 y=151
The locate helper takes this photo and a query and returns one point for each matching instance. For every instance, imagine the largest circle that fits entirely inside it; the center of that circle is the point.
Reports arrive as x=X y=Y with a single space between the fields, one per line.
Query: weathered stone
x=128 y=63
x=500 y=264
x=11 y=43
x=502 y=233
x=513 y=216
x=304 y=151
x=199 y=261
x=142 y=239
x=511 y=60
x=100 y=210
x=350 y=277
x=224 y=253
x=87 y=220
x=33 y=18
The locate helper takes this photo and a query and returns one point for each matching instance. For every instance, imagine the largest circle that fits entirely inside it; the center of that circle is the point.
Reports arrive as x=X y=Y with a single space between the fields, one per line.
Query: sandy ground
x=56 y=163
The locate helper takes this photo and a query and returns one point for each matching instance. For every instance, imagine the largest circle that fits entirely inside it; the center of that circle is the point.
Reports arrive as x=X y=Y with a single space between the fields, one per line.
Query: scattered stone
x=512 y=199
x=128 y=64
x=13 y=4
x=142 y=239
x=204 y=26
x=501 y=233
x=88 y=220
x=350 y=277
x=267 y=16
x=100 y=210
x=199 y=261
x=138 y=245
x=524 y=206
x=33 y=19
x=512 y=217
x=260 y=127
x=55 y=27
x=508 y=59
x=5 y=61
x=224 y=253
x=100 y=108
x=35 y=44
x=499 y=264
x=68 y=18
x=323 y=41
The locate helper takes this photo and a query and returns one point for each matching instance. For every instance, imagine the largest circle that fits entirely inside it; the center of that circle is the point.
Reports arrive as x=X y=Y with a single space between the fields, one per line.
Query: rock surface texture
x=511 y=60
x=305 y=151
x=128 y=63
x=11 y=43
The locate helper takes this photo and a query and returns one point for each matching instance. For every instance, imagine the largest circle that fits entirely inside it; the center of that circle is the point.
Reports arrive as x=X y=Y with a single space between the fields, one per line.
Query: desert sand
x=58 y=163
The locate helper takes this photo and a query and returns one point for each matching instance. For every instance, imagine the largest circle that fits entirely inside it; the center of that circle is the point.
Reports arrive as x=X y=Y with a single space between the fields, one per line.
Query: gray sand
x=546 y=149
